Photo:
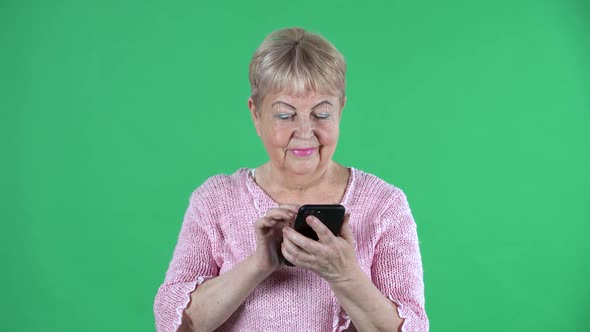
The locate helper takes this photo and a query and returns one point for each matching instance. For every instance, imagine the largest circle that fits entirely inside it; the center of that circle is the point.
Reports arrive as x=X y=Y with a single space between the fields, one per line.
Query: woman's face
x=299 y=133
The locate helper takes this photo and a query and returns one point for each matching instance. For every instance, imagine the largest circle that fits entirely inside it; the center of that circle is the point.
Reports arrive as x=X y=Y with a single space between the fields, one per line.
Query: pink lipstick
x=303 y=152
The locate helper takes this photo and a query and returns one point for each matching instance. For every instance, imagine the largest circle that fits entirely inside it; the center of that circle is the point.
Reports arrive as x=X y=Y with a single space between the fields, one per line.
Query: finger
x=291 y=207
x=269 y=222
x=280 y=214
x=287 y=254
x=290 y=248
x=324 y=233
x=301 y=241
x=294 y=254
x=346 y=230
x=265 y=223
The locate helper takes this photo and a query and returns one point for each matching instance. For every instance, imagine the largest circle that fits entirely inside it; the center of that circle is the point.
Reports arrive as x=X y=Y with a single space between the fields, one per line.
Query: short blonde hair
x=295 y=61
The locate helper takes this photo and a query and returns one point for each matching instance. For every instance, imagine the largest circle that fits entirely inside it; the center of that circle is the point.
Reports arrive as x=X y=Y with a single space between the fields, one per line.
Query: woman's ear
x=254 y=114
x=342 y=106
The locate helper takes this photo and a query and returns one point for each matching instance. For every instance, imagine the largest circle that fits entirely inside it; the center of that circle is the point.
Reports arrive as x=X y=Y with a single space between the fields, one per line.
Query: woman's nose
x=304 y=128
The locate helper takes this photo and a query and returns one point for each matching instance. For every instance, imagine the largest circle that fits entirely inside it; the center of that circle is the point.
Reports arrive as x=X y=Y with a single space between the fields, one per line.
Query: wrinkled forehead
x=307 y=100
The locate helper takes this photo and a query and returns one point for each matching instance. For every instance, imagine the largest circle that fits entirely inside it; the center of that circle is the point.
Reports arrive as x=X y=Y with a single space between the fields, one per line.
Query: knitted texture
x=218 y=233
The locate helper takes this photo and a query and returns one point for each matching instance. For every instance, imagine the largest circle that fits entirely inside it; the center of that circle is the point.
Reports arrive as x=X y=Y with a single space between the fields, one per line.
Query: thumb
x=346 y=230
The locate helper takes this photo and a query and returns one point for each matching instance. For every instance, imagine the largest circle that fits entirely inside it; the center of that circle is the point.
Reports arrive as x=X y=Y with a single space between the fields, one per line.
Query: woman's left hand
x=332 y=257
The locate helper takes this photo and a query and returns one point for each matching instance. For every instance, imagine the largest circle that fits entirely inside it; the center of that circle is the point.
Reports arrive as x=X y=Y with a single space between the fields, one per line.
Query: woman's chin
x=303 y=167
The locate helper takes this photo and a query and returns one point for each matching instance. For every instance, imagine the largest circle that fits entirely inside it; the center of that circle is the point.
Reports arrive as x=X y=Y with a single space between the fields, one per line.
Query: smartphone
x=331 y=215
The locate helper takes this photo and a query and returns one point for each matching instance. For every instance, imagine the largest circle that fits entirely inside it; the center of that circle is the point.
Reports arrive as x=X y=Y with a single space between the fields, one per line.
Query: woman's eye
x=322 y=115
x=283 y=116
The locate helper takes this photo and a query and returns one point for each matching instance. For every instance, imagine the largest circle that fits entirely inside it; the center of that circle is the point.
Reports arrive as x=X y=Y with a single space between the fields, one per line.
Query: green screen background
x=112 y=112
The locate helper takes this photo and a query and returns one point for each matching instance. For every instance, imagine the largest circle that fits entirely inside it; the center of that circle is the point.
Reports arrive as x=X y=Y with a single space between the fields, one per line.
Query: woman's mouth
x=303 y=152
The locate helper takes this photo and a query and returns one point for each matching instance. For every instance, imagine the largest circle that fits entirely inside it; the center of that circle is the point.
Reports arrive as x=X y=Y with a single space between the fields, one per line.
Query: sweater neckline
x=262 y=199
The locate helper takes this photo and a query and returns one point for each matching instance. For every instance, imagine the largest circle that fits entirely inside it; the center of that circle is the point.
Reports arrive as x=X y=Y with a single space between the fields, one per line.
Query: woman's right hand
x=269 y=235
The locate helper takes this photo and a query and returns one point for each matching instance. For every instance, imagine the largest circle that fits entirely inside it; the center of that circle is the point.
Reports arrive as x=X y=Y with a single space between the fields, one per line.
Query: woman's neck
x=276 y=180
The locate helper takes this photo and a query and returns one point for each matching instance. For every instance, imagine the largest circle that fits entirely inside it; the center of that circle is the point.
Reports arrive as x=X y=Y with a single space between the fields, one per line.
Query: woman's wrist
x=255 y=268
x=351 y=278
x=366 y=306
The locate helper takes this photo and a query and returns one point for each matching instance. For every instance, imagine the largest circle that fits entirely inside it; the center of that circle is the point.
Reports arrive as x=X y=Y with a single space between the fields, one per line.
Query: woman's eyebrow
x=282 y=102
x=323 y=102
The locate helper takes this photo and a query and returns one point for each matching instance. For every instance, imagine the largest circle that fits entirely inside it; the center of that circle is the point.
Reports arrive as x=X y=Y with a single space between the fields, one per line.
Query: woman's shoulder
x=372 y=194
x=369 y=184
x=220 y=185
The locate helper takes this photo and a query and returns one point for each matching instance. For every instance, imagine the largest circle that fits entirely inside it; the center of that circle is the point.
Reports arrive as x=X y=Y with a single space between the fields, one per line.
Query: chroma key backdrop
x=113 y=112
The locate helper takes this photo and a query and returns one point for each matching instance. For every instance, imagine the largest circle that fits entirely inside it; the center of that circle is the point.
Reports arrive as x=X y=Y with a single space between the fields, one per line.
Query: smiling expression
x=299 y=133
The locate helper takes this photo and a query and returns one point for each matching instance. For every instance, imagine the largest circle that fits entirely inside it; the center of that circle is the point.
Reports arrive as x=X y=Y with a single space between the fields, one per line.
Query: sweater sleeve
x=192 y=264
x=397 y=264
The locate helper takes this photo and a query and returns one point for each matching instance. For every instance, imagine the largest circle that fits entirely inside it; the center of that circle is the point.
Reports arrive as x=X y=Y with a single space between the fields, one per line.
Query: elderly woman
x=228 y=271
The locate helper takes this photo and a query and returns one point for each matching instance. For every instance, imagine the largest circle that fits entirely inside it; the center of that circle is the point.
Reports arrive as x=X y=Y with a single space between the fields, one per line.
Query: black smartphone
x=331 y=215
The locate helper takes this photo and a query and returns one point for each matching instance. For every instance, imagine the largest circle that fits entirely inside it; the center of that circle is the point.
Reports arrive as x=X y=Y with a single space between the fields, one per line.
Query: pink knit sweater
x=218 y=233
